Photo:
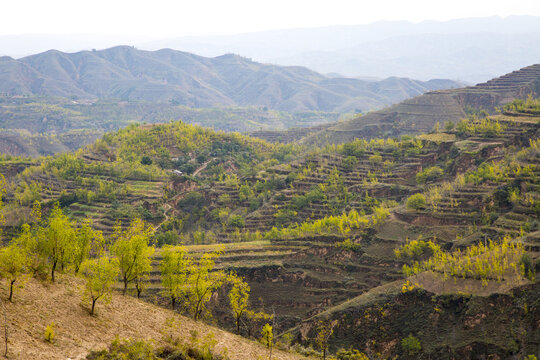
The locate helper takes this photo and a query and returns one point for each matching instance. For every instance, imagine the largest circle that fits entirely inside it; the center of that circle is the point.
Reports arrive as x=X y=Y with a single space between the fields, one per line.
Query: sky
x=169 y=18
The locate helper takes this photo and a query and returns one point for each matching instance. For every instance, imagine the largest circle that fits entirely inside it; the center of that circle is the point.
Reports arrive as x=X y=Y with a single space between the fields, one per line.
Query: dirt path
x=202 y=167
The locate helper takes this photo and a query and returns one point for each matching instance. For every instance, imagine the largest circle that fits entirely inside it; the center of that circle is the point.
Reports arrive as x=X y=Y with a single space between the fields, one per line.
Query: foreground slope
x=78 y=333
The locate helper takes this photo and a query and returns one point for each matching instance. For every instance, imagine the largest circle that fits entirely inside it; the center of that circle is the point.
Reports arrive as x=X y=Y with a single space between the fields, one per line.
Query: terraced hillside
x=313 y=228
x=420 y=114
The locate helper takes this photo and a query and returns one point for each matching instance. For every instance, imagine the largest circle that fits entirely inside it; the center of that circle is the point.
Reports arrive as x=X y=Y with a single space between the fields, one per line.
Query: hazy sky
x=167 y=18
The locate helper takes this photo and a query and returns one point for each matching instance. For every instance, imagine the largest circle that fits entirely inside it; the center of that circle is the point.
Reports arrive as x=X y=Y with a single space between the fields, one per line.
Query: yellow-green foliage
x=267 y=336
x=201 y=282
x=484 y=127
x=347 y=244
x=416 y=249
x=429 y=174
x=408 y=286
x=239 y=299
x=529 y=106
x=330 y=225
x=411 y=345
x=135 y=141
x=100 y=275
x=351 y=354
x=49 y=333
x=131 y=247
x=174 y=268
x=13 y=264
x=416 y=202
x=483 y=262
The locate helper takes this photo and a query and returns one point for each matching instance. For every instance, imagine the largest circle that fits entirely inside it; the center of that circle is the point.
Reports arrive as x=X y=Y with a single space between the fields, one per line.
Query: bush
x=411 y=345
x=526 y=265
x=169 y=237
x=430 y=174
x=145 y=160
x=351 y=354
x=237 y=221
x=375 y=159
x=416 y=202
x=350 y=162
x=49 y=333
x=347 y=244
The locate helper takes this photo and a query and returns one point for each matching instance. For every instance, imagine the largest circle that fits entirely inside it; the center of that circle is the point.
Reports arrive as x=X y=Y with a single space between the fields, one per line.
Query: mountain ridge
x=167 y=75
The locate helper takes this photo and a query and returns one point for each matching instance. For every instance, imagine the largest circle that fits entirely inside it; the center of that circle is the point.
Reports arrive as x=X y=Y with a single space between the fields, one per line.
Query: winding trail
x=177 y=197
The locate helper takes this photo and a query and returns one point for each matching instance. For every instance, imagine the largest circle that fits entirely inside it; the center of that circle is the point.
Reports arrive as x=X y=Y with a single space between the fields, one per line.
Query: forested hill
x=177 y=77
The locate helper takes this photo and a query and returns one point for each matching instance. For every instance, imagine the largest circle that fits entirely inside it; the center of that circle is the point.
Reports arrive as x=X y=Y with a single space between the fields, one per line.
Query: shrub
x=350 y=162
x=237 y=221
x=375 y=159
x=411 y=345
x=416 y=202
x=351 y=354
x=417 y=249
x=347 y=244
x=526 y=265
x=430 y=174
x=49 y=333
x=145 y=160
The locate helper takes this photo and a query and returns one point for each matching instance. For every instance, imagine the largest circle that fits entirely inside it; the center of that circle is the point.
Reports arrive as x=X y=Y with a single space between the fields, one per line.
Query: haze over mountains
x=171 y=76
x=471 y=50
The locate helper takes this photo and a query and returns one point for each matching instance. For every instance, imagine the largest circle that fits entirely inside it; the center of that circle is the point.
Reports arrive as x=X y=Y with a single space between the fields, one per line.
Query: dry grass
x=39 y=304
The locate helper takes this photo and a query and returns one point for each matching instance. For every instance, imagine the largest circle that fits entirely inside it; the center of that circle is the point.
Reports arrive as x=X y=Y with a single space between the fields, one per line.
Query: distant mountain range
x=471 y=49
x=171 y=76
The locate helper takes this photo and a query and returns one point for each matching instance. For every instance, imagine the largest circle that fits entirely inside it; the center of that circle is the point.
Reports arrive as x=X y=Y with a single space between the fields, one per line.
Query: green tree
x=201 y=283
x=237 y=221
x=59 y=239
x=268 y=338
x=416 y=202
x=100 y=275
x=429 y=174
x=12 y=265
x=174 y=269
x=239 y=299
x=325 y=329
x=131 y=247
x=87 y=242
x=411 y=345
x=32 y=241
x=350 y=162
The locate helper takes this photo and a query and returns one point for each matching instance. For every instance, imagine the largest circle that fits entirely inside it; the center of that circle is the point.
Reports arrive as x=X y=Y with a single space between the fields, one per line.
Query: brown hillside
x=77 y=333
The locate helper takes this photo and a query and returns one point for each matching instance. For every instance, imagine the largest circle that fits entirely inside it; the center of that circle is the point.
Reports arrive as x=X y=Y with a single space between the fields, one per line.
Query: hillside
x=313 y=230
x=78 y=333
x=186 y=79
x=420 y=114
